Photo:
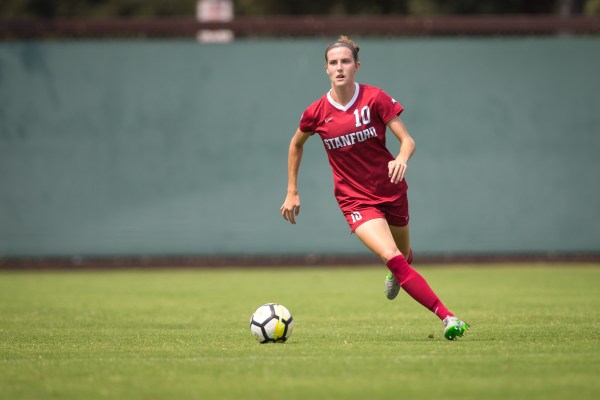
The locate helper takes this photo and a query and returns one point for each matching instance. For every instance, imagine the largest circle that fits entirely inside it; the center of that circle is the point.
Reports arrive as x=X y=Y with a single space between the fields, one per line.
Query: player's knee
x=388 y=254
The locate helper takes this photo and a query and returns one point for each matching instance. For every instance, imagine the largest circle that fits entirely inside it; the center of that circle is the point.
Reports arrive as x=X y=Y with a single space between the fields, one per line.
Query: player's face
x=341 y=66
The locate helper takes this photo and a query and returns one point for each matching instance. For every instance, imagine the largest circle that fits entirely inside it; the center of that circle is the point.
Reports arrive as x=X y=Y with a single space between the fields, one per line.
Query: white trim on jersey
x=339 y=106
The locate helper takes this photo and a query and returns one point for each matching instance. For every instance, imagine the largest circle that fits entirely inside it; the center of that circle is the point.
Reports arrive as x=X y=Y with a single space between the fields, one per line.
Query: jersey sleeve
x=308 y=121
x=388 y=107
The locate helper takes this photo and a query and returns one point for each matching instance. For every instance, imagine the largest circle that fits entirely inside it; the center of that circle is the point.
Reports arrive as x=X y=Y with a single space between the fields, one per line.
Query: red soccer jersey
x=354 y=138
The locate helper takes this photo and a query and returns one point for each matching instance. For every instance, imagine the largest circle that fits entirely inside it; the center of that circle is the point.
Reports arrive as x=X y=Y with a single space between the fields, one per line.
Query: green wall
x=174 y=147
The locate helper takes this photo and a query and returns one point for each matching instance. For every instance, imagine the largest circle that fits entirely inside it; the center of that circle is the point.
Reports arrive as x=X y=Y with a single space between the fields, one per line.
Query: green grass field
x=184 y=334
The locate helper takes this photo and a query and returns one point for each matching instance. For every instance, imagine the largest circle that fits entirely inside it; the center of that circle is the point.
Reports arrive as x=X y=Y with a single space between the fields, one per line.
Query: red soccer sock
x=416 y=286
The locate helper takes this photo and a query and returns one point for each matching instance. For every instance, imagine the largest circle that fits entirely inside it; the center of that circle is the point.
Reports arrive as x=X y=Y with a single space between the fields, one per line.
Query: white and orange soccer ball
x=271 y=322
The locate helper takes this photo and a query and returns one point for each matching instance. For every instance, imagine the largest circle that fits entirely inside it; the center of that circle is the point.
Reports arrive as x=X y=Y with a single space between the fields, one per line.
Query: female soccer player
x=369 y=183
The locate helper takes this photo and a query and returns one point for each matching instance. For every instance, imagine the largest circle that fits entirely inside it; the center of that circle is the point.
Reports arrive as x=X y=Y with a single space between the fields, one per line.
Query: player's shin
x=416 y=286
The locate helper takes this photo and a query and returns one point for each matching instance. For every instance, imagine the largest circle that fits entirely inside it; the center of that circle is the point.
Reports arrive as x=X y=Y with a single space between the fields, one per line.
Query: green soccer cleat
x=454 y=327
x=392 y=288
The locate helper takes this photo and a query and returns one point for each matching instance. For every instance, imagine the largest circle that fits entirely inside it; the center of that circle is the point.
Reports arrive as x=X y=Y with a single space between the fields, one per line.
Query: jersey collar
x=350 y=103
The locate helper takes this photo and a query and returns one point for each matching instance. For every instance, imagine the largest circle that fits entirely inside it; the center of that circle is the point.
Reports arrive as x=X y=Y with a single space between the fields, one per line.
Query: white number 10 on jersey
x=364 y=117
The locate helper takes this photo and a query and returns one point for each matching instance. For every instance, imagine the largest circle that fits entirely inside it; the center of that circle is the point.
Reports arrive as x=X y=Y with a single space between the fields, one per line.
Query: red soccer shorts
x=395 y=213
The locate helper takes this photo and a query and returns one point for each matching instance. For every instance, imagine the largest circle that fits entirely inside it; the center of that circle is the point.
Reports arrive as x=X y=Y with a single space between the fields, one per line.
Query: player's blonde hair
x=344 y=41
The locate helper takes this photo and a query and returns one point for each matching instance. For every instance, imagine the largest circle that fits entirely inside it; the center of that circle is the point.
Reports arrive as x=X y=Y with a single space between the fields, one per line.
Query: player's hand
x=291 y=208
x=396 y=170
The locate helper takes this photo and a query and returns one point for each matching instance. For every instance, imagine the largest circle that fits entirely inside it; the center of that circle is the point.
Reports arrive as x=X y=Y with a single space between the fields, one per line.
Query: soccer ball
x=271 y=322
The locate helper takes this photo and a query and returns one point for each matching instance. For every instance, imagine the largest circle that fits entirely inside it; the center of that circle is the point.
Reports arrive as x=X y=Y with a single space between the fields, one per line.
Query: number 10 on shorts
x=355 y=216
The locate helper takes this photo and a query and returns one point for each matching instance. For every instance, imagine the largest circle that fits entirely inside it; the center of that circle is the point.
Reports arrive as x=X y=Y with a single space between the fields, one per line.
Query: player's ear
x=357 y=65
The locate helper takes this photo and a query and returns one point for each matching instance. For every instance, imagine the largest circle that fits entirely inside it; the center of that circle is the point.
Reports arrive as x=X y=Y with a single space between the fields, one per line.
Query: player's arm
x=291 y=205
x=397 y=167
